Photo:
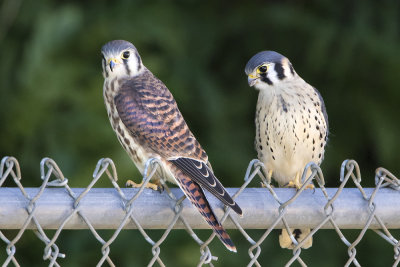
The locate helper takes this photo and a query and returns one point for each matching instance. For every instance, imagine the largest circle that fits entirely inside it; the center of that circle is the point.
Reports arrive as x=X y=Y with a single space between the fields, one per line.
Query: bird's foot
x=310 y=186
x=292 y=184
x=263 y=185
x=268 y=178
x=154 y=186
x=296 y=183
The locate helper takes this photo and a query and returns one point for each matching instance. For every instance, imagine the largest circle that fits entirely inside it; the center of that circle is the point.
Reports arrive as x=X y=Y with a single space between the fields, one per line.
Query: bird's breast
x=135 y=151
x=290 y=130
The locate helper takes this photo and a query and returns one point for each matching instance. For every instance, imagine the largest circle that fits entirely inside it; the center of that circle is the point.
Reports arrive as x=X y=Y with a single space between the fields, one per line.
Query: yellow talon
x=296 y=183
x=269 y=176
x=149 y=185
x=292 y=184
x=310 y=186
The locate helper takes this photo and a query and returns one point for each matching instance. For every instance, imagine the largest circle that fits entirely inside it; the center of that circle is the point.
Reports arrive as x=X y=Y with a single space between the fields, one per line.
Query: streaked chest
x=136 y=152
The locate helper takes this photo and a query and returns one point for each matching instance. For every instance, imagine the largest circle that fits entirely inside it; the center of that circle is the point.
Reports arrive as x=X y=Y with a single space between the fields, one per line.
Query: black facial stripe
x=128 y=70
x=139 y=61
x=265 y=79
x=279 y=71
x=104 y=66
x=291 y=69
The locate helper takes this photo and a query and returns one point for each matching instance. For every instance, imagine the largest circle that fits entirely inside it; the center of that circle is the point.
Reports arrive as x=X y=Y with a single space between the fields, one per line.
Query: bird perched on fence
x=148 y=124
x=291 y=124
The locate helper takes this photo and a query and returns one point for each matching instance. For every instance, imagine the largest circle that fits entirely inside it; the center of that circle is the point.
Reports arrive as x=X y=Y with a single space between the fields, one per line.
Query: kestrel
x=148 y=124
x=291 y=124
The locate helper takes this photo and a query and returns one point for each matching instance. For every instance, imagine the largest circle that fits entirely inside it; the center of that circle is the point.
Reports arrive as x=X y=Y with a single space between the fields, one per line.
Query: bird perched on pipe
x=148 y=124
x=291 y=125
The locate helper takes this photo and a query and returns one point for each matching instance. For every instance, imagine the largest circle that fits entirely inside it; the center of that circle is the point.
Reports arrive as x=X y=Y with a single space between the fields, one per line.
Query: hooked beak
x=252 y=79
x=112 y=62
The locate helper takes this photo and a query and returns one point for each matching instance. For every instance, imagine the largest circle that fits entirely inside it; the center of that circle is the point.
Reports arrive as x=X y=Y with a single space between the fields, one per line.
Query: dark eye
x=262 y=69
x=126 y=55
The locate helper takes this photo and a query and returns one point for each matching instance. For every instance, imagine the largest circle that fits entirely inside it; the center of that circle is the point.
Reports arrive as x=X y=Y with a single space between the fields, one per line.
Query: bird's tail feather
x=299 y=235
x=196 y=195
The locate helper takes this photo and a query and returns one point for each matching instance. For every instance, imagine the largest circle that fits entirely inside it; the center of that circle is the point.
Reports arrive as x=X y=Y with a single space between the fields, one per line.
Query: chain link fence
x=57 y=206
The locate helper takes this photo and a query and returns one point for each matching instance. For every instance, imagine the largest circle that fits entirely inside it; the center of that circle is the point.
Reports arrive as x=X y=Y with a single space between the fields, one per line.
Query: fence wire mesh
x=53 y=177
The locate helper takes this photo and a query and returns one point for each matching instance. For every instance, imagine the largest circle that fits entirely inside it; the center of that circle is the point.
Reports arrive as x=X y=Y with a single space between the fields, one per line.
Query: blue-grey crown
x=262 y=57
x=116 y=46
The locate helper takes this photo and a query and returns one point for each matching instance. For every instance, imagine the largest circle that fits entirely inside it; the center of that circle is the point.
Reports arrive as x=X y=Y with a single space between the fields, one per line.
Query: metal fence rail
x=57 y=206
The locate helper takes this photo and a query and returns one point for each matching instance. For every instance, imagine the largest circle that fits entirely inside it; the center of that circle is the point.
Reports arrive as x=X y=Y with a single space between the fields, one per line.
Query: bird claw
x=263 y=185
x=296 y=183
x=292 y=184
x=154 y=186
x=310 y=186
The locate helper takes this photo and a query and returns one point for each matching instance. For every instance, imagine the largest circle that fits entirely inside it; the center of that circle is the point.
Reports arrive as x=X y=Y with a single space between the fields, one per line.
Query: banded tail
x=299 y=235
x=196 y=195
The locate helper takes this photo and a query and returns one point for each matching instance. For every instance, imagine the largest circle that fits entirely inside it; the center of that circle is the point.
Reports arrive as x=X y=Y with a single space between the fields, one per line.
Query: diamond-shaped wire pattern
x=53 y=177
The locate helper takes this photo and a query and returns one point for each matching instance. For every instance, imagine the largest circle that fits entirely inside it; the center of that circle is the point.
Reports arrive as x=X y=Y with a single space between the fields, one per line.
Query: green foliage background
x=51 y=100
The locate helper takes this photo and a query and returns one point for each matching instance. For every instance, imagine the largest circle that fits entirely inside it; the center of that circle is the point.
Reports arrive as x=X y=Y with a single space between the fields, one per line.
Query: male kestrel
x=148 y=124
x=291 y=124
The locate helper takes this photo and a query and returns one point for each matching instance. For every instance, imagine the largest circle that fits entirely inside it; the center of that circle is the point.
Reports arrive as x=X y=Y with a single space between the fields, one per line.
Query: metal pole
x=105 y=210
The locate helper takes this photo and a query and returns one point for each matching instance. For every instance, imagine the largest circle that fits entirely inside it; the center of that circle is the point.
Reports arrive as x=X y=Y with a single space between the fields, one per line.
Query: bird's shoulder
x=149 y=96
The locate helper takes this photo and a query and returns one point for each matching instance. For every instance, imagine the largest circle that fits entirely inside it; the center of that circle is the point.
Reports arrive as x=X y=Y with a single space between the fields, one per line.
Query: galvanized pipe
x=104 y=208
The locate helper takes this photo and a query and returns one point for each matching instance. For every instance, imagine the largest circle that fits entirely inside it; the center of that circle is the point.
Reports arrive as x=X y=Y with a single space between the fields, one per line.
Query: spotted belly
x=287 y=138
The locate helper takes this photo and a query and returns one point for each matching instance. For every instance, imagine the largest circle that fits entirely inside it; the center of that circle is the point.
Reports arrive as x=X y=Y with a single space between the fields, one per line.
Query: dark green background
x=51 y=101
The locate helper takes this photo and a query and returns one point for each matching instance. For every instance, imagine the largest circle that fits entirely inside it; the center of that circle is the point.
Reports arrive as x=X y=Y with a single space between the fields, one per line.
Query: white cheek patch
x=118 y=71
x=272 y=74
x=260 y=85
x=129 y=67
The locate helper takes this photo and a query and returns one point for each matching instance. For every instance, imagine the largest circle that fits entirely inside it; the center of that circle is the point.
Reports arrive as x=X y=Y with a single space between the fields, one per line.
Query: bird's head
x=120 y=59
x=268 y=68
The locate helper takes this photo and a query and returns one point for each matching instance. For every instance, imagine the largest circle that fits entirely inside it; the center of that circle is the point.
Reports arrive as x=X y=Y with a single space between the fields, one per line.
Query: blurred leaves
x=51 y=100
